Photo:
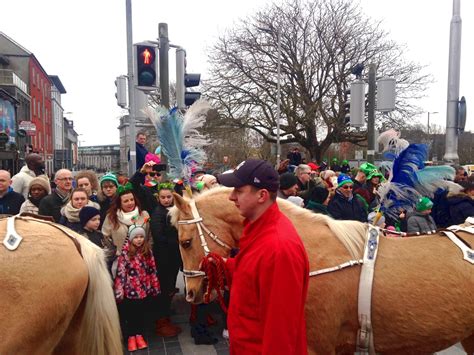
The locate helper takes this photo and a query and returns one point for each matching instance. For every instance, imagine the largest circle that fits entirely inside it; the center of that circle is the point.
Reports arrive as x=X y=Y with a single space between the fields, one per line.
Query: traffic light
x=121 y=94
x=145 y=66
x=184 y=80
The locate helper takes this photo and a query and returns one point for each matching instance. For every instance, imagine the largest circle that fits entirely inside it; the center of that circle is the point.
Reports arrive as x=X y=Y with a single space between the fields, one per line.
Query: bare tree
x=321 y=42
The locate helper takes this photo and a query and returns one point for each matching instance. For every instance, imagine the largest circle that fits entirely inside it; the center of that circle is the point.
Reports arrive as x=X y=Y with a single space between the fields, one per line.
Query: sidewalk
x=184 y=343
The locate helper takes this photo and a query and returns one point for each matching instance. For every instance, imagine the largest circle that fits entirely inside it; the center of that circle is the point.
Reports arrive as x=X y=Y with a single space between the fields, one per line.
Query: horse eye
x=186 y=244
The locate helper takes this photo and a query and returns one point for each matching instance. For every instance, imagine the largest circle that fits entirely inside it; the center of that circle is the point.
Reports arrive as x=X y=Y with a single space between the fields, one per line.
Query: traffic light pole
x=371 y=115
x=164 y=70
x=132 y=163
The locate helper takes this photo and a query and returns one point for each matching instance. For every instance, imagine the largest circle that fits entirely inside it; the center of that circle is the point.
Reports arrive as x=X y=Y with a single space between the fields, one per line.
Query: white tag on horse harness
x=12 y=239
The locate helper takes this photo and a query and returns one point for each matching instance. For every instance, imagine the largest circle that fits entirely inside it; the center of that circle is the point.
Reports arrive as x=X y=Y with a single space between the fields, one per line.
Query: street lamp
x=433 y=112
x=278 y=113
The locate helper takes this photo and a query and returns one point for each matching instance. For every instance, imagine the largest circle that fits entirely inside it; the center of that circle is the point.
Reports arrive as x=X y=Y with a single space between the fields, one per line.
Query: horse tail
x=100 y=328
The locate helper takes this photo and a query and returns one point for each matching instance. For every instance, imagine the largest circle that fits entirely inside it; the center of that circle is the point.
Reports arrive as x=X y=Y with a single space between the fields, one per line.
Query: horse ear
x=181 y=203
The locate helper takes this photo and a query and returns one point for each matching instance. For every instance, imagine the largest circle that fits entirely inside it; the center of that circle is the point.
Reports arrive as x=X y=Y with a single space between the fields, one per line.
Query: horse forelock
x=351 y=234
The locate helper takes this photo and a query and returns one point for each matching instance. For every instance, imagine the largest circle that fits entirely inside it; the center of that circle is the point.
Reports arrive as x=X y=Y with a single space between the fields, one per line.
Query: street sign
x=359 y=154
x=28 y=126
x=21 y=133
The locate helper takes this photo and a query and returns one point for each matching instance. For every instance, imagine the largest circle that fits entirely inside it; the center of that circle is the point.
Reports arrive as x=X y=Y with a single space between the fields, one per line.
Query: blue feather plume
x=180 y=140
x=400 y=191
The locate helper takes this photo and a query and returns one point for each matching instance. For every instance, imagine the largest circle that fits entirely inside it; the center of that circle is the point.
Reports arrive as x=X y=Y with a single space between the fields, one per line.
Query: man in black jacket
x=51 y=205
x=343 y=205
x=10 y=201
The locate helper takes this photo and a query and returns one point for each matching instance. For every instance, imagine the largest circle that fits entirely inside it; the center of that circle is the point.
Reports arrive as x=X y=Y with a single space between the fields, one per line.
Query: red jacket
x=269 y=285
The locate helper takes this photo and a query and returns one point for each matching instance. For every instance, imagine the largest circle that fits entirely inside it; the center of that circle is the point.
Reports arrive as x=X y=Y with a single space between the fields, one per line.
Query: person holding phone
x=145 y=182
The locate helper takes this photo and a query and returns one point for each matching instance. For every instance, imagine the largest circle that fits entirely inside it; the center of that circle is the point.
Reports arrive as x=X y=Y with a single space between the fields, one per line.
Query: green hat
x=334 y=159
x=109 y=177
x=375 y=173
x=345 y=162
x=366 y=168
x=424 y=204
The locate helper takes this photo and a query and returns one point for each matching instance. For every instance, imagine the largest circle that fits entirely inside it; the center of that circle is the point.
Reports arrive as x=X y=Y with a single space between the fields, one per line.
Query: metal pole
x=428 y=124
x=278 y=157
x=371 y=115
x=451 y=152
x=164 y=70
x=132 y=163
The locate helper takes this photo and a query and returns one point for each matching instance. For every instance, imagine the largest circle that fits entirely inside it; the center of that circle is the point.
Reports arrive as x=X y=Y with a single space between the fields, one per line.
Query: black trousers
x=133 y=314
x=168 y=262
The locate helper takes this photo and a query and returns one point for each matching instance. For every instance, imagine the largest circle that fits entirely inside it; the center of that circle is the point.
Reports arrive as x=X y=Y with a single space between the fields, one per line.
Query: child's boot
x=132 y=343
x=141 y=343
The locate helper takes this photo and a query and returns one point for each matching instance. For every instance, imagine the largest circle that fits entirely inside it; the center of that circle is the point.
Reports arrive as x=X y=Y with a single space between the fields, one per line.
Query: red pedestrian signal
x=146 y=67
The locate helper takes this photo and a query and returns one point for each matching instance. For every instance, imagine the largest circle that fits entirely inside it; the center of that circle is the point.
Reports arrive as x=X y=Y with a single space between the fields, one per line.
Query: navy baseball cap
x=255 y=172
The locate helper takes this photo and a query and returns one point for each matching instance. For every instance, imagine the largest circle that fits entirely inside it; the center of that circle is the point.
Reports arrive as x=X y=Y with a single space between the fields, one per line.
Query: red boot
x=165 y=329
x=141 y=343
x=132 y=344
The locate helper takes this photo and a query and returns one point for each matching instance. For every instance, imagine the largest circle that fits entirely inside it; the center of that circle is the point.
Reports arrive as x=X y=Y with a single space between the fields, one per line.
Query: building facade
x=40 y=125
x=100 y=158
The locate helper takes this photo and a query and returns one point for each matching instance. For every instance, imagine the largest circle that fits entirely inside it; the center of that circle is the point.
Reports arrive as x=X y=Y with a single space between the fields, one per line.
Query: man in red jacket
x=271 y=271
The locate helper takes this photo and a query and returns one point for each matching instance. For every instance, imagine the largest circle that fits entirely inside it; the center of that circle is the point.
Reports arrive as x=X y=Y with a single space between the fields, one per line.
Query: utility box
x=386 y=94
x=357 y=108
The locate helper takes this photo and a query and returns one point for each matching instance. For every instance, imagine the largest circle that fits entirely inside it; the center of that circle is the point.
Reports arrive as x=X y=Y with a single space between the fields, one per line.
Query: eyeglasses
x=347 y=187
x=66 y=179
x=153 y=174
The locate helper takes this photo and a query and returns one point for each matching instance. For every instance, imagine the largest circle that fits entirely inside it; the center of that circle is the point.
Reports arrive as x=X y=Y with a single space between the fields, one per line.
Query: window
x=33 y=75
x=39 y=109
x=34 y=106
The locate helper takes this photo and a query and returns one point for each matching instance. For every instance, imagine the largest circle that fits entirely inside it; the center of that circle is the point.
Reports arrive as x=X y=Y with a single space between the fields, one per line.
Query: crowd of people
x=352 y=194
x=128 y=218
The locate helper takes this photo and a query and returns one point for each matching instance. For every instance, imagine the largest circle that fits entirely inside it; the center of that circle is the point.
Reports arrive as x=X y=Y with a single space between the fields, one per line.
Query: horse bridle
x=197 y=219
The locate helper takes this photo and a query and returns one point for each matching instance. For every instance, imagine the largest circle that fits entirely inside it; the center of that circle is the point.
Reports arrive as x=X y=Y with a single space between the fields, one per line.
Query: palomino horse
x=423 y=291
x=52 y=299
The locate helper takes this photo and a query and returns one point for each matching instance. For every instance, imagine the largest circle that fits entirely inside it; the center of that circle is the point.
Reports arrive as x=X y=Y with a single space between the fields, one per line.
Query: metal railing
x=8 y=77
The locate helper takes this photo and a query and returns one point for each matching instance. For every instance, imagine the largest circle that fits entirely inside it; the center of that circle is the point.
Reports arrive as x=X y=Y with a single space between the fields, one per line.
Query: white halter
x=200 y=226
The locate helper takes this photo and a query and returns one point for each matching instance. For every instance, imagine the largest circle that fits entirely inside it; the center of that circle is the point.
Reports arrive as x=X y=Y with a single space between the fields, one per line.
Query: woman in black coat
x=167 y=258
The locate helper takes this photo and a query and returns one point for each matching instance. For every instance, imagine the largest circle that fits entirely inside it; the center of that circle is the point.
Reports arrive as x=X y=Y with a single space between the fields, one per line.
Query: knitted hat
x=366 y=168
x=313 y=166
x=42 y=181
x=319 y=194
x=345 y=162
x=109 y=177
x=86 y=213
x=371 y=218
x=343 y=179
x=287 y=180
x=424 y=204
x=134 y=231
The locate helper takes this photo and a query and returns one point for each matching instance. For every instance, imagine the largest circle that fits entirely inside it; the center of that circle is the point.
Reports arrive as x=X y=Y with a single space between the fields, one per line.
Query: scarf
x=128 y=218
x=72 y=213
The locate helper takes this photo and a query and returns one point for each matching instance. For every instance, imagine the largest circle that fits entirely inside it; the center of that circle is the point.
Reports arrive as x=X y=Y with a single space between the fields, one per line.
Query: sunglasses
x=347 y=187
x=153 y=174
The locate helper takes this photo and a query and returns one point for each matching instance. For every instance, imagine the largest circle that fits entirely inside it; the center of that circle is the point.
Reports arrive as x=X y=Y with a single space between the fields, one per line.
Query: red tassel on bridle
x=214 y=267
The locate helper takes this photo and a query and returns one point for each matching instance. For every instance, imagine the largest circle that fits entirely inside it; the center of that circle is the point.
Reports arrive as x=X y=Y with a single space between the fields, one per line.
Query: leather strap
x=365 y=338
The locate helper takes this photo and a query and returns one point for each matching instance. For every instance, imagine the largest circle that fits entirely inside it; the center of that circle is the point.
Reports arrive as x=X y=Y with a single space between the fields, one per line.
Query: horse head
x=209 y=222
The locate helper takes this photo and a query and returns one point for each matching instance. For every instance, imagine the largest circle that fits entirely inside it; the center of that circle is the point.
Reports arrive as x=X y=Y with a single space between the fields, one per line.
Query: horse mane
x=351 y=234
